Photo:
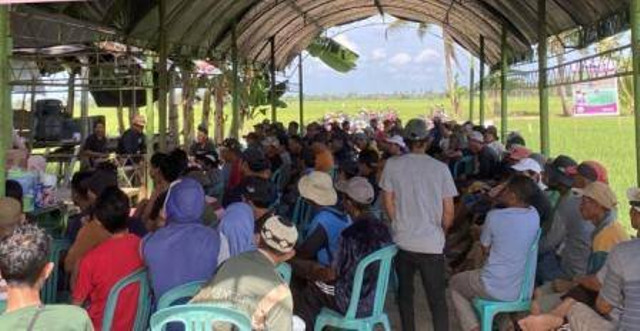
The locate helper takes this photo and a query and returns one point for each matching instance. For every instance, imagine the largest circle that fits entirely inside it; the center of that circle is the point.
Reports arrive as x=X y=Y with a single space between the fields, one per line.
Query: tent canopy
x=203 y=27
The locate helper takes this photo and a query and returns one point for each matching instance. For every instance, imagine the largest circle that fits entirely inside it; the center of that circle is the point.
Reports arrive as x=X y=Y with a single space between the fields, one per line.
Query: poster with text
x=597 y=98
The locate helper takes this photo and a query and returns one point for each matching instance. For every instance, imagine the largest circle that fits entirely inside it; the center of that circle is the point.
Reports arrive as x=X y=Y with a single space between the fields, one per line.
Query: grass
x=608 y=140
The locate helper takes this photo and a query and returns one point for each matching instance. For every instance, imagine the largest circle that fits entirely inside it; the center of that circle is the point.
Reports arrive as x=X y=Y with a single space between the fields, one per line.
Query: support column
x=150 y=127
x=301 y=92
x=163 y=77
x=543 y=90
x=504 y=67
x=235 y=103
x=5 y=49
x=635 y=46
x=272 y=68
x=84 y=97
x=472 y=82
x=482 y=65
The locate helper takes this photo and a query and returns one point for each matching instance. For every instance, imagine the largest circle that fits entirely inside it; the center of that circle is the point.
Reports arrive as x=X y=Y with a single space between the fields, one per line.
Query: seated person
x=133 y=141
x=617 y=302
x=237 y=226
x=24 y=264
x=254 y=163
x=507 y=236
x=264 y=296
x=203 y=145
x=11 y=216
x=567 y=229
x=588 y=172
x=210 y=165
x=487 y=163
x=92 y=233
x=598 y=207
x=333 y=284
x=185 y=250
x=94 y=150
x=492 y=141
x=109 y=262
x=163 y=172
x=80 y=198
x=231 y=156
x=320 y=242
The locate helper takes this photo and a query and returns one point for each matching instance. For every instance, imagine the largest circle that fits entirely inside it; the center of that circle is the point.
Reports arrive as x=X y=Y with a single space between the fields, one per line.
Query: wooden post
x=543 y=90
x=482 y=65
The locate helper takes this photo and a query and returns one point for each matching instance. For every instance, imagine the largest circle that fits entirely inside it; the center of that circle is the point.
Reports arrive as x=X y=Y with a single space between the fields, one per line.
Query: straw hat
x=318 y=187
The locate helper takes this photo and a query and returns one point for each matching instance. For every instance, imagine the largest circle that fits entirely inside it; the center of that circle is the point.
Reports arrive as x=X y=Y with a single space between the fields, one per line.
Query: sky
x=390 y=61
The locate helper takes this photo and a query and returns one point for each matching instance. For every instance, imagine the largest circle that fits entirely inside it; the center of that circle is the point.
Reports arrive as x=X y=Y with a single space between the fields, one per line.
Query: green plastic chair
x=144 y=300
x=328 y=317
x=3 y=306
x=285 y=271
x=49 y=292
x=488 y=309
x=185 y=291
x=200 y=317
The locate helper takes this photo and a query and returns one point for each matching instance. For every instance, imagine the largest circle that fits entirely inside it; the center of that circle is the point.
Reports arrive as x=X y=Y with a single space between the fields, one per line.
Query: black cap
x=256 y=160
x=261 y=192
x=557 y=170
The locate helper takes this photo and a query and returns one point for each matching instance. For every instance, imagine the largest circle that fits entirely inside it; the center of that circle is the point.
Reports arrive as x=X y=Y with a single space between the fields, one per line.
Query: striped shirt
x=621 y=287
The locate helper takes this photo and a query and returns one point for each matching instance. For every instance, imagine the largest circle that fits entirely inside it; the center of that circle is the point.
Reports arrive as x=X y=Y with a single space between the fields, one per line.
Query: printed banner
x=597 y=98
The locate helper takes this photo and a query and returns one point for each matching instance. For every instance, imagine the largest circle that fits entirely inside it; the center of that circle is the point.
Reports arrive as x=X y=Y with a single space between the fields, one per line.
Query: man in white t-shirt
x=418 y=193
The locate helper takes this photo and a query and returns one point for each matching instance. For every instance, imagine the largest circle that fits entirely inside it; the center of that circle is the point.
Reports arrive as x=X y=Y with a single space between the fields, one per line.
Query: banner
x=597 y=98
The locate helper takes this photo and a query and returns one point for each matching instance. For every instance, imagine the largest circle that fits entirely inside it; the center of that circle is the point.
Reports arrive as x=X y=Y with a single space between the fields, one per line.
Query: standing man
x=418 y=193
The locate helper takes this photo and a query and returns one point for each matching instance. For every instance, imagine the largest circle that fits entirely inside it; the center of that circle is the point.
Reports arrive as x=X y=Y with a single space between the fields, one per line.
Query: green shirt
x=251 y=283
x=51 y=318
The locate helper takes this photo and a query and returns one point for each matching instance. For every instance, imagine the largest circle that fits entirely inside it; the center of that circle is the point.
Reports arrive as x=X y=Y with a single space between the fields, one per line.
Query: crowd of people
x=464 y=209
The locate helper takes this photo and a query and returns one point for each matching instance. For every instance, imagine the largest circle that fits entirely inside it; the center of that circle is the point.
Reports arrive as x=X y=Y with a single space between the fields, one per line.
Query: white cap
x=527 y=164
x=397 y=140
x=476 y=136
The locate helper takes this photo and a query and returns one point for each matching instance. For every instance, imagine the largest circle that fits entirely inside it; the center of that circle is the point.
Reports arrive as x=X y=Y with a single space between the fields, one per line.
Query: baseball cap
x=279 y=234
x=476 y=136
x=358 y=189
x=256 y=160
x=518 y=152
x=260 y=191
x=593 y=171
x=396 y=140
x=559 y=170
x=416 y=129
x=601 y=193
x=318 y=187
x=10 y=211
x=139 y=121
x=633 y=195
x=527 y=164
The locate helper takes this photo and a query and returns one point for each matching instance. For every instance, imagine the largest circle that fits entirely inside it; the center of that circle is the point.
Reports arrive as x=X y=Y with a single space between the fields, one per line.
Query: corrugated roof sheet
x=205 y=25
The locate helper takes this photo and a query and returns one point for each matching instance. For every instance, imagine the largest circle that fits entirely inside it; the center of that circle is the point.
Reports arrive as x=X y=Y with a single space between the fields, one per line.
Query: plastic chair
x=328 y=317
x=49 y=292
x=276 y=178
x=144 y=300
x=3 y=306
x=301 y=216
x=464 y=166
x=200 y=317
x=284 y=269
x=184 y=291
x=488 y=309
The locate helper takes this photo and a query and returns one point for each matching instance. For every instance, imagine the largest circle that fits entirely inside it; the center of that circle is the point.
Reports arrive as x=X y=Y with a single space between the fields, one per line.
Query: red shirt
x=102 y=268
x=235 y=176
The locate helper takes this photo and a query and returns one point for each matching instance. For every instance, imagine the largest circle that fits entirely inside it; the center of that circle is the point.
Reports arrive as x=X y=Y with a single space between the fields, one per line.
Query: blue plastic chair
x=49 y=292
x=328 y=317
x=302 y=213
x=144 y=300
x=488 y=309
x=200 y=317
x=285 y=271
x=185 y=291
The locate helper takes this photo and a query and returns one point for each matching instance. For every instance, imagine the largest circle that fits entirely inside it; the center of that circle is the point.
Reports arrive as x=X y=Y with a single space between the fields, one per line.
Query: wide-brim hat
x=318 y=188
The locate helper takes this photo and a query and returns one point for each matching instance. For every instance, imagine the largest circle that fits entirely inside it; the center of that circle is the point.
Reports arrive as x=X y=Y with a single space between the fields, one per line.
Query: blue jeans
x=549 y=268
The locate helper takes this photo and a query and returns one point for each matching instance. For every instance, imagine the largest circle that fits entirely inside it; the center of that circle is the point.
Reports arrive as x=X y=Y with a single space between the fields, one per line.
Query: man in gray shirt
x=565 y=248
x=418 y=194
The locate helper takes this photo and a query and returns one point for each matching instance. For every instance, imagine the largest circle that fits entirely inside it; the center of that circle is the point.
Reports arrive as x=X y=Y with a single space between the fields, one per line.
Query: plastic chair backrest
x=301 y=216
x=3 y=306
x=284 y=269
x=384 y=256
x=200 y=317
x=184 y=291
x=530 y=270
x=49 y=292
x=144 y=300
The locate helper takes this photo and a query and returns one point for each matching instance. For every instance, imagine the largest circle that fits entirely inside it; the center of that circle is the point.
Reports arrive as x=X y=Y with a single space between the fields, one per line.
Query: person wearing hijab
x=185 y=250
